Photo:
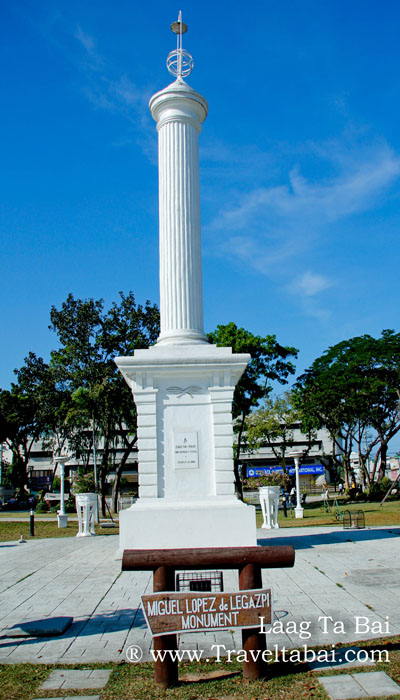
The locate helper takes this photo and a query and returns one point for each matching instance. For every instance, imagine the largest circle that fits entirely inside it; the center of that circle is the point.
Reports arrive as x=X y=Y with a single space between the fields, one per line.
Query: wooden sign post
x=248 y=560
x=168 y=613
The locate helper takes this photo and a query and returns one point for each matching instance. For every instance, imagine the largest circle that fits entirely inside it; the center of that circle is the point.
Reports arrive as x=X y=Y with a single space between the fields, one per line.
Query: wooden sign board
x=171 y=612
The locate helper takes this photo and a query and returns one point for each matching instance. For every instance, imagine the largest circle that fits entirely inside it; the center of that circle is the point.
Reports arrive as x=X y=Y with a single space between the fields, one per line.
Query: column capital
x=178 y=102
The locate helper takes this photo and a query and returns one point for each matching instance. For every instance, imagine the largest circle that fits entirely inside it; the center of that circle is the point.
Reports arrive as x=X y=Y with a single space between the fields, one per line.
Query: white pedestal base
x=299 y=512
x=62 y=519
x=86 y=504
x=269 y=501
x=158 y=524
x=183 y=395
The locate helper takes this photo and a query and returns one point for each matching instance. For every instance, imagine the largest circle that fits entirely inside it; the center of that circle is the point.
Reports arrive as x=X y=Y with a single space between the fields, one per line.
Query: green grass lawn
x=24 y=514
x=388 y=514
x=12 y=530
x=197 y=681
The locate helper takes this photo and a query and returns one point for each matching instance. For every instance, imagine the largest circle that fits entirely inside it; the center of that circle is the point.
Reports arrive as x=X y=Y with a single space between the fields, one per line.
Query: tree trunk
x=346 y=468
x=118 y=473
x=378 y=452
x=18 y=473
x=382 y=466
x=103 y=476
x=236 y=461
x=364 y=469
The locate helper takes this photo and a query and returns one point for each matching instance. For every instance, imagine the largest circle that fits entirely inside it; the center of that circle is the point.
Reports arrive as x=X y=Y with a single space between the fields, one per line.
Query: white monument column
x=183 y=386
x=179 y=112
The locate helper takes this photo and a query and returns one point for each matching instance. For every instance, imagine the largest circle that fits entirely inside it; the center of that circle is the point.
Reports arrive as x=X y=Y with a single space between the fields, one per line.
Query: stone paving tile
x=377 y=683
x=359 y=685
x=83 y=579
x=342 y=687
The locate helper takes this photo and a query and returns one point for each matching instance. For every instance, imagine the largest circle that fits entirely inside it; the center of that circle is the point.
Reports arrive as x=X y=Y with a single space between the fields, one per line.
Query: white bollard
x=269 y=501
x=86 y=504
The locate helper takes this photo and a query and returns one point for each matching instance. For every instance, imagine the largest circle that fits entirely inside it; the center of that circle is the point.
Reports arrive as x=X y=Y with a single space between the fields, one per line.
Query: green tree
x=53 y=404
x=353 y=386
x=23 y=416
x=269 y=362
x=90 y=338
x=273 y=426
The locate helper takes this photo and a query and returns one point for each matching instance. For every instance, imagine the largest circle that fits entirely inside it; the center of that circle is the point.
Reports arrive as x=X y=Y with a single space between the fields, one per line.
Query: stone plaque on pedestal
x=186 y=450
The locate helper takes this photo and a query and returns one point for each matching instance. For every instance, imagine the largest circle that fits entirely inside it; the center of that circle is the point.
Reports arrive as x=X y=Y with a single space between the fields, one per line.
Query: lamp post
x=62 y=517
x=299 y=510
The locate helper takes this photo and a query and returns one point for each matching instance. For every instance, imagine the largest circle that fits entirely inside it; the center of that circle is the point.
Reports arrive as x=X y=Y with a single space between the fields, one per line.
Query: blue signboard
x=305 y=469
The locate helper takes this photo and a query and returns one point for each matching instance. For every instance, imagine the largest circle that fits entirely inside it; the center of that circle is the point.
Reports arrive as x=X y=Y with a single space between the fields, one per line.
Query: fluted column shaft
x=179 y=112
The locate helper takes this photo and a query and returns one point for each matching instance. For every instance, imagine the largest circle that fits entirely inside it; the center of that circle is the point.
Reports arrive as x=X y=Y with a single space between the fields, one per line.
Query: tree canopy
x=80 y=396
x=25 y=413
x=270 y=362
x=90 y=338
x=353 y=386
x=274 y=425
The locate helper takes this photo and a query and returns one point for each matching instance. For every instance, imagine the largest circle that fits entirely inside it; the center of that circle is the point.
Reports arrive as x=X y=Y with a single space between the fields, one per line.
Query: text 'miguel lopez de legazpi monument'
x=183 y=386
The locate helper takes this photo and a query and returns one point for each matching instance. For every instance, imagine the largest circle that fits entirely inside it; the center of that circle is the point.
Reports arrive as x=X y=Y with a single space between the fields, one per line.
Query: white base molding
x=62 y=519
x=159 y=524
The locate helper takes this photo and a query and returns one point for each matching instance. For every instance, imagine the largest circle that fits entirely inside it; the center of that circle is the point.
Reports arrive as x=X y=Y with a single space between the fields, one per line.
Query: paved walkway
x=342 y=574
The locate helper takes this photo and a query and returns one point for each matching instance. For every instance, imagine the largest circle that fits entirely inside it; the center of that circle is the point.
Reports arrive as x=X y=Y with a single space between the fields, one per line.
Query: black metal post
x=32 y=524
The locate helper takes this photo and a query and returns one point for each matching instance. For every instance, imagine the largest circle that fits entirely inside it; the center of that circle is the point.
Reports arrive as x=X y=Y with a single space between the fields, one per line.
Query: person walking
x=325 y=497
x=285 y=496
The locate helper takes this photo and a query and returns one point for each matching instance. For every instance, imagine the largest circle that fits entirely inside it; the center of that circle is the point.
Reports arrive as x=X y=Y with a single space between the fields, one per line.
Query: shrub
x=275 y=478
x=85 y=484
x=70 y=506
x=56 y=486
x=379 y=489
x=360 y=497
x=41 y=507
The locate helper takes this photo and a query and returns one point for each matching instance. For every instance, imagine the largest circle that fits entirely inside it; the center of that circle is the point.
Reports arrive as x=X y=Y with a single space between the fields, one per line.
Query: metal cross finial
x=179 y=61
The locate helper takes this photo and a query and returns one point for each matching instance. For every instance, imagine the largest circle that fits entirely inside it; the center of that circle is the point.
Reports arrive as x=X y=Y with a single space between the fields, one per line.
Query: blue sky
x=300 y=163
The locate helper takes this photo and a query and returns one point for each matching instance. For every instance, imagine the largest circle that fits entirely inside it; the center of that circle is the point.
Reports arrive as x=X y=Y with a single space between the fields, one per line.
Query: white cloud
x=311 y=283
x=99 y=79
x=108 y=90
x=105 y=89
x=280 y=221
x=306 y=288
x=315 y=310
x=86 y=40
x=302 y=203
x=275 y=229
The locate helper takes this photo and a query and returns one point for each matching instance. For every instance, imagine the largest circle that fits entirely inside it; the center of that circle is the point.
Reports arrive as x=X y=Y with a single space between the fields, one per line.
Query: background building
x=316 y=466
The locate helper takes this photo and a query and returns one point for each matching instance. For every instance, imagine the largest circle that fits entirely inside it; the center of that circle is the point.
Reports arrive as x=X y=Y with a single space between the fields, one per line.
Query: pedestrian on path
x=325 y=497
x=285 y=497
